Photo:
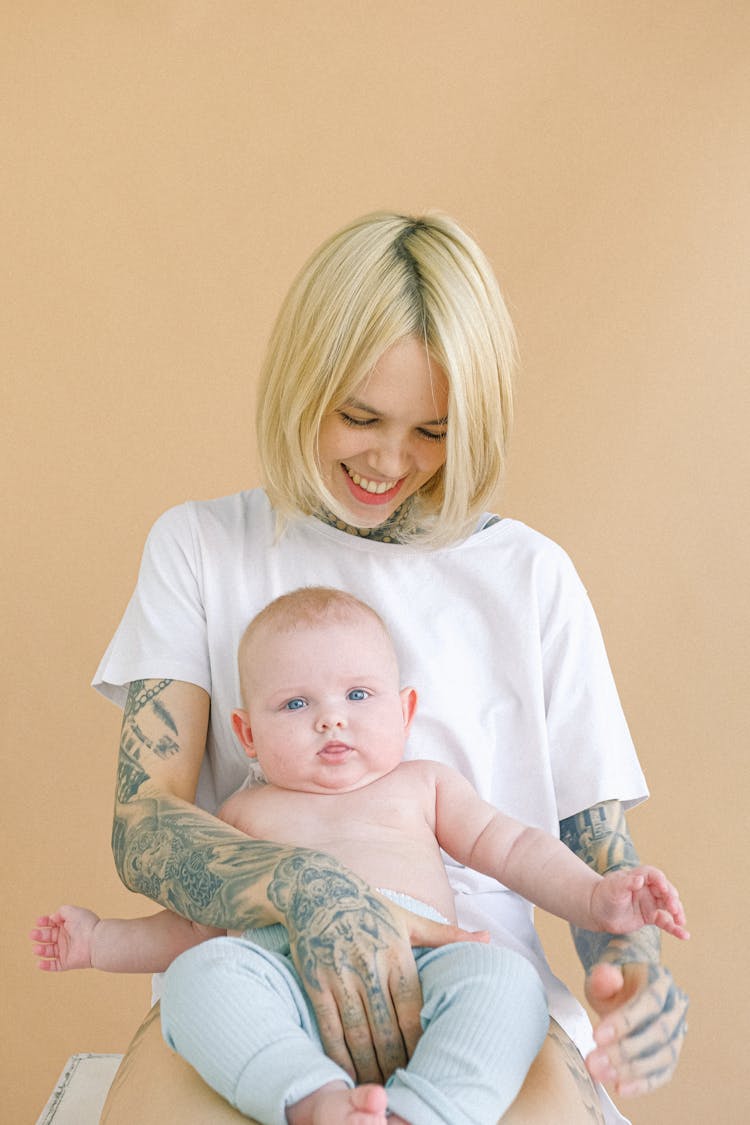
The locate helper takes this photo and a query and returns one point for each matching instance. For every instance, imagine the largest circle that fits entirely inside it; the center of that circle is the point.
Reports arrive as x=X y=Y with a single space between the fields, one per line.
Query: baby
x=327 y=721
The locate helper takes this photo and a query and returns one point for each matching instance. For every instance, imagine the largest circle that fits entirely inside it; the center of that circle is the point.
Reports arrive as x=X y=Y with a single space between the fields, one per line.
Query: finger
x=371 y=1037
x=376 y=995
x=656 y=880
x=635 y=1087
x=45 y=933
x=633 y=880
x=645 y=1023
x=332 y=1035
x=406 y=996
x=665 y=921
x=425 y=931
x=671 y=901
x=662 y=890
x=603 y=984
x=641 y=1063
x=675 y=907
x=653 y=1070
x=46 y=949
x=646 y=1005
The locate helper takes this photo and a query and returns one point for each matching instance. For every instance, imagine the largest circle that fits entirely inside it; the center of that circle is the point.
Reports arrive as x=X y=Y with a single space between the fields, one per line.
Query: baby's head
x=323 y=710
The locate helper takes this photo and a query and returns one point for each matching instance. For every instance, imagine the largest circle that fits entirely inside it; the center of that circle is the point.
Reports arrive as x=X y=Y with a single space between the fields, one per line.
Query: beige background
x=167 y=168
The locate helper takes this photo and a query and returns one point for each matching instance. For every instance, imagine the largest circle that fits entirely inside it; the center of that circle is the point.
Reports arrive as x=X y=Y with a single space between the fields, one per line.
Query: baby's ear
x=241 y=727
x=408 y=706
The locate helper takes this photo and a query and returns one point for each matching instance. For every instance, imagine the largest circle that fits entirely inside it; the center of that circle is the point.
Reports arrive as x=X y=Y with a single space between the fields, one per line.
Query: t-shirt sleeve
x=162 y=634
x=592 y=754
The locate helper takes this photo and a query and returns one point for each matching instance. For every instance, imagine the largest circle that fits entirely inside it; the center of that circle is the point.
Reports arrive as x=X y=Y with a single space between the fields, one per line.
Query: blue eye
x=356 y=694
x=295 y=705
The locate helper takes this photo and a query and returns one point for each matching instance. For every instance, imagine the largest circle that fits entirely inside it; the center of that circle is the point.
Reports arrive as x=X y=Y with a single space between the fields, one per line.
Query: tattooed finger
x=360 y=1038
x=332 y=1033
x=668 y=1029
x=647 y=1005
x=406 y=997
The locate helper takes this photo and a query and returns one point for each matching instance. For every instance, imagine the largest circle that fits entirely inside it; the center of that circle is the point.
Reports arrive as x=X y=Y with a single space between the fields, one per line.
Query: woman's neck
x=387 y=532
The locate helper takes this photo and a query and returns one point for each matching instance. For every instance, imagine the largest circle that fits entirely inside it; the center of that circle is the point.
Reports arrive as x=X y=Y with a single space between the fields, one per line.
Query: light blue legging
x=237 y=1012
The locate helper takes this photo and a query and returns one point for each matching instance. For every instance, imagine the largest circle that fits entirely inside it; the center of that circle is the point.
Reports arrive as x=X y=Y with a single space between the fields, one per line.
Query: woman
x=385 y=407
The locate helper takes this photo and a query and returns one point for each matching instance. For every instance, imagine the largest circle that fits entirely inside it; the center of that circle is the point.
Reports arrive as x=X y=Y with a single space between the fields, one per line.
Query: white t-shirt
x=496 y=633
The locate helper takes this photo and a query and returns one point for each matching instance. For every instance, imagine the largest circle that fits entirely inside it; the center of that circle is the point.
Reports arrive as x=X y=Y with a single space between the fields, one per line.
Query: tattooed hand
x=643 y=1027
x=352 y=949
x=643 y=1012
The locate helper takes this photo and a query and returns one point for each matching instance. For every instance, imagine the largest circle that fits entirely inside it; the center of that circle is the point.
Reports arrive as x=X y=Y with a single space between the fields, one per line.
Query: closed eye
x=348 y=420
x=430 y=435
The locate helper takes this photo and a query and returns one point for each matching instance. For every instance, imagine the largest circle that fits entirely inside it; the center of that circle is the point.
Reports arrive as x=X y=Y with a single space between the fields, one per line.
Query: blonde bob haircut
x=380 y=279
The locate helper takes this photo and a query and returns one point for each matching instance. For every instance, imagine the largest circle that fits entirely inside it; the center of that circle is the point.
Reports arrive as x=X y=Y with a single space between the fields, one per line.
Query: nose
x=390 y=457
x=329 y=718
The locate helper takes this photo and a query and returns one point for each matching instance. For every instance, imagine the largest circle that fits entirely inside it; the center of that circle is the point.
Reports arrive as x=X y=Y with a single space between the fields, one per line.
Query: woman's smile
x=385 y=442
x=368 y=491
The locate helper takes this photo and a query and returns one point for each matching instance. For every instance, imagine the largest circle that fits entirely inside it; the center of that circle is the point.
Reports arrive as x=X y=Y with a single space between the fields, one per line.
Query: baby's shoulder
x=423 y=772
x=236 y=808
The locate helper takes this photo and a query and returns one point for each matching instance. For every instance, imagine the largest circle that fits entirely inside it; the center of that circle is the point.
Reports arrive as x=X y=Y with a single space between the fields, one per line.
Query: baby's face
x=325 y=710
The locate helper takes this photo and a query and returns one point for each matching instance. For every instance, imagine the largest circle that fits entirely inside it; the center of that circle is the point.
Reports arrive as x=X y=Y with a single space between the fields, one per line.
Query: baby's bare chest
x=317 y=820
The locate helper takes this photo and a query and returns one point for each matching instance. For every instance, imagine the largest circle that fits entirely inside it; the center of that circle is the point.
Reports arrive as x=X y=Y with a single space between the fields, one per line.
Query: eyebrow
x=359 y=405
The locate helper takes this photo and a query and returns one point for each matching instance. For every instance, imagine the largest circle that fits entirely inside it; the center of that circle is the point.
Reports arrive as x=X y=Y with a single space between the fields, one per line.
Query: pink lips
x=334 y=753
x=365 y=497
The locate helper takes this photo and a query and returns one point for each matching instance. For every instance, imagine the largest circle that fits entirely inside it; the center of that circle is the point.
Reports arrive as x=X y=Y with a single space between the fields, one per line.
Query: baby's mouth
x=334 y=752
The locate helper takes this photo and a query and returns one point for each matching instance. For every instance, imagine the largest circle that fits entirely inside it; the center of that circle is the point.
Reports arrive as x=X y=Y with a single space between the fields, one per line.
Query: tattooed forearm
x=600 y=837
x=166 y=848
x=193 y=863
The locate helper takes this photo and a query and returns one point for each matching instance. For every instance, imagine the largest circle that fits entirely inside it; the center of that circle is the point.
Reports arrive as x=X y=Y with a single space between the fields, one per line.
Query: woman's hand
x=352 y=949
x=642 y=1028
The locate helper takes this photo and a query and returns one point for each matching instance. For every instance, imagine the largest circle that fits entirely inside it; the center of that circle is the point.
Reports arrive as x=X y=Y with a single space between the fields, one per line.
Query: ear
x=241 y=727
x=408 y=706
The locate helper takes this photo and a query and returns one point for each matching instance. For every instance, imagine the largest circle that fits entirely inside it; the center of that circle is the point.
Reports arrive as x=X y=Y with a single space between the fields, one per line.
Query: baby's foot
x=336 y=1104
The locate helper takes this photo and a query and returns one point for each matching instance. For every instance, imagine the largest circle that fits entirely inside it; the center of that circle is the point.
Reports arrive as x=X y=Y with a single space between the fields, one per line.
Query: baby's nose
x=329 y=719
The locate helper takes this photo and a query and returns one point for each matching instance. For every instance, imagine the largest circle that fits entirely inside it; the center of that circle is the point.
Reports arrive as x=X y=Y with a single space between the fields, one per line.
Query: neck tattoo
x=387 y=532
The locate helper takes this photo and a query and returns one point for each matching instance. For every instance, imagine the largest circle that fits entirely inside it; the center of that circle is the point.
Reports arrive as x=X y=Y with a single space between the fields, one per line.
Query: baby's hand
x=64 y=940
x=638 y=896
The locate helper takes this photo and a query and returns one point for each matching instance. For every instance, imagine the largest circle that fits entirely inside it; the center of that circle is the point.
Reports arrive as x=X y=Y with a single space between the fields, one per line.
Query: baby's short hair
x=303 y=607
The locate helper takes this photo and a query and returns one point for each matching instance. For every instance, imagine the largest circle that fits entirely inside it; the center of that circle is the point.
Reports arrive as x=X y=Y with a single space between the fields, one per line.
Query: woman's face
x=388 y=439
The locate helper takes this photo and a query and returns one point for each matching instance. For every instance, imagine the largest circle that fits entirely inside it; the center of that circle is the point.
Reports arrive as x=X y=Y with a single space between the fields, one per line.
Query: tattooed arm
x=351 y=947
x=164 y=847
x=643 y=1012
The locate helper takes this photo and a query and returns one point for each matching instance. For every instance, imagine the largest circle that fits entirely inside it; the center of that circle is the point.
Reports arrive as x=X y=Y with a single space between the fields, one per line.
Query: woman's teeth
x=372 y=485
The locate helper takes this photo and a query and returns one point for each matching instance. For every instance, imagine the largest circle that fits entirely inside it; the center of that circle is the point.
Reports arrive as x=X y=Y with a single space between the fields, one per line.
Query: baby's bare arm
x=526 y=860
x=541 y=868
x=76 y=938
